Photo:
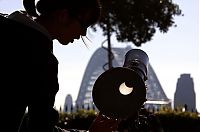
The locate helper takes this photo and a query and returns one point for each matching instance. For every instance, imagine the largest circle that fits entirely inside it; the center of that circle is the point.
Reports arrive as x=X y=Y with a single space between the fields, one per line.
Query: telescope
x=120 y=92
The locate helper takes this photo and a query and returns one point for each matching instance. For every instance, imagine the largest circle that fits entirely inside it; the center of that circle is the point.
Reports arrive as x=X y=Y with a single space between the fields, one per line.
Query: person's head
x=65 y=20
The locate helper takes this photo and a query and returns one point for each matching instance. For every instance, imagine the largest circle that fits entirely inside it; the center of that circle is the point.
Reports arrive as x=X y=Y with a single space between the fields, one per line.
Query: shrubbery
x=81 y=119
x=171 y=120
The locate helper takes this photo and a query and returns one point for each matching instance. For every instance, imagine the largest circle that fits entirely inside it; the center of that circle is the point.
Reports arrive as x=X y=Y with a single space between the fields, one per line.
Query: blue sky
x=171 y=54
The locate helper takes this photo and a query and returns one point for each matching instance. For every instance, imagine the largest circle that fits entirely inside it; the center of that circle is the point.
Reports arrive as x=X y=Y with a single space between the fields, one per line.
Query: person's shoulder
x=5 y=22
x=15 y=33
x=9 y=27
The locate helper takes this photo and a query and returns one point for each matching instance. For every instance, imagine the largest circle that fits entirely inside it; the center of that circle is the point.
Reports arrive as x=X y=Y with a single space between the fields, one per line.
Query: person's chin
x=65 y=42
x=72 y=41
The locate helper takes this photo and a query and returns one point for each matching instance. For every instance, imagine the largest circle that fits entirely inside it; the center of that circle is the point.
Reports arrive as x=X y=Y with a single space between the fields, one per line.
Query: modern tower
x=185 y=95
x=98 y=64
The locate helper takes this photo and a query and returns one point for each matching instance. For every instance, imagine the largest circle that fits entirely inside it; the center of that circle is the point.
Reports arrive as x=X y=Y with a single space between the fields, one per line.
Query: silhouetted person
x=185 y=107
x=29 y=68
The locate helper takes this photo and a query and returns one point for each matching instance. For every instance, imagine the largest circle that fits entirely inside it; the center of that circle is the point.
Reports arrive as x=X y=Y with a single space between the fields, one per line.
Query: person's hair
x=74 y=7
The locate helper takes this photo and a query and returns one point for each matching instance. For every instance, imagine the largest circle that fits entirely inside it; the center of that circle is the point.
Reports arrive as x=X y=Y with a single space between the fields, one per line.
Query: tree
x=136 y=21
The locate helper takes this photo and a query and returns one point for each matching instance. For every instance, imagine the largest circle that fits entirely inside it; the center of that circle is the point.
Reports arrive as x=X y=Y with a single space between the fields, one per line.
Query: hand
x=104 y=124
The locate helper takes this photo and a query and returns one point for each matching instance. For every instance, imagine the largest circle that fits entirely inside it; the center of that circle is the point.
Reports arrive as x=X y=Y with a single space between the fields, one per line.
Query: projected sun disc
x=123 y=89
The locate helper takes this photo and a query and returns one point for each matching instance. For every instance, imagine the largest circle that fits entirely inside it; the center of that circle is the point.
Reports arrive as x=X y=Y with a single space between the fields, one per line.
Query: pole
x=109 y=45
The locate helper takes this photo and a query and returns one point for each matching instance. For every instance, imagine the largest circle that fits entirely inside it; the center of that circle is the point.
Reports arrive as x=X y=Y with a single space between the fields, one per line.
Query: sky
x=170 y=54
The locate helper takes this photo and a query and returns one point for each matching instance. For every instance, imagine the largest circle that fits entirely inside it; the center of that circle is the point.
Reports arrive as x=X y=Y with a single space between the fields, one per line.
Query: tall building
x=98 y=64
x=185 y=94
x=68 y=106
